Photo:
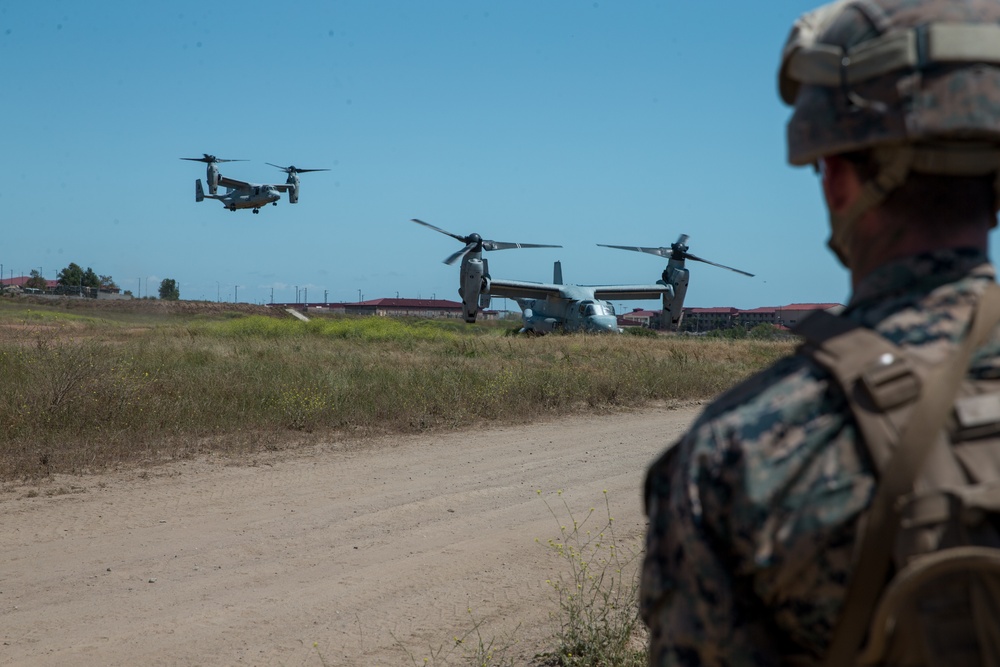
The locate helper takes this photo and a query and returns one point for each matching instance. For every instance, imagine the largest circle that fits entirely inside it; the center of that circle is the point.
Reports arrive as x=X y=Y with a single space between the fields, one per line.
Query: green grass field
x=85 y=390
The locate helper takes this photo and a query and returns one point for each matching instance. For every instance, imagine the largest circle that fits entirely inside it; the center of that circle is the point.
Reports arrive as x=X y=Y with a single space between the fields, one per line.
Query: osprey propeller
x=209 y=159
x=677 y=251
x=293 y=169
x=476 y=243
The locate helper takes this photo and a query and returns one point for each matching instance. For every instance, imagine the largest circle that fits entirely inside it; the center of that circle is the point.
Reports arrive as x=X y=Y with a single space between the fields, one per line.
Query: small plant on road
x=598 y=615
x=471 y=649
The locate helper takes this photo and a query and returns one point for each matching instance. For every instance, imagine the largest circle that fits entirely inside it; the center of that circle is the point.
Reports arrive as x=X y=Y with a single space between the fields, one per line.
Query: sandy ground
x=369 y=554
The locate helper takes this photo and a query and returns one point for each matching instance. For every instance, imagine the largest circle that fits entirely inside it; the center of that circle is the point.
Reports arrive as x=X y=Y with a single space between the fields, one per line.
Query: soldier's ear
x=841 y=183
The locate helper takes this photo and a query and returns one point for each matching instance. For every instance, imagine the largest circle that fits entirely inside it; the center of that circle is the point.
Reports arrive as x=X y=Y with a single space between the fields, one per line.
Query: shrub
x=598 y=612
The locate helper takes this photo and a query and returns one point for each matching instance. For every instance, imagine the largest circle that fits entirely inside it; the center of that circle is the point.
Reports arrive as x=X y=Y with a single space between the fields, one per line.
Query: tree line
x=75 y=276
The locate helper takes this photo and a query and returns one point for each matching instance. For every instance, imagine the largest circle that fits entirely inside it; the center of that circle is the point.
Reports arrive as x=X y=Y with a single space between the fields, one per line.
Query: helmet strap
x=894 y=166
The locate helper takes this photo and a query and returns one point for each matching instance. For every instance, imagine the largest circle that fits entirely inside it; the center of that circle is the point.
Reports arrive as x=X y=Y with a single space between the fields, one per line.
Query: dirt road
x=367 y=554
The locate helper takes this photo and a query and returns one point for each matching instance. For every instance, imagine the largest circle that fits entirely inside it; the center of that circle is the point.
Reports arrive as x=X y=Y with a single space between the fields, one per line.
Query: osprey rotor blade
x=461 y=253
x=209 y=159
x=504 y=245
x=676 y=251
x=463 y=239
x=688 y=255
x=659 y=252
x=293 y=169
x=475 y=243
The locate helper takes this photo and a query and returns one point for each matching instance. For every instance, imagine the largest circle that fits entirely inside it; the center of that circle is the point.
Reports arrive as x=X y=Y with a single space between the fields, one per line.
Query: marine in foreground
x=778 y=519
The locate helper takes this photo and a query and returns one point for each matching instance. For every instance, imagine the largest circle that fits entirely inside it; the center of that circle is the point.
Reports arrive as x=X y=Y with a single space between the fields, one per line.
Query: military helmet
x=867 y=73
x=914 y=82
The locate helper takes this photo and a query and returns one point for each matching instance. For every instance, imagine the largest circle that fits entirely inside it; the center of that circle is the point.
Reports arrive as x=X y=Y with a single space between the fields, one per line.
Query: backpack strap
x=920 y=434
x=877 y=377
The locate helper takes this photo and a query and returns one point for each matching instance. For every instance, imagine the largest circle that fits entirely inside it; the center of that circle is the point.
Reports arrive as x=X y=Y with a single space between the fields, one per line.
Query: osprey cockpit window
x=590 y=309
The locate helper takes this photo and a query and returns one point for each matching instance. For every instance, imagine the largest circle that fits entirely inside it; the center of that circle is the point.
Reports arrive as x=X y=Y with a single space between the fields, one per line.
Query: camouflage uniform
x=753 y=512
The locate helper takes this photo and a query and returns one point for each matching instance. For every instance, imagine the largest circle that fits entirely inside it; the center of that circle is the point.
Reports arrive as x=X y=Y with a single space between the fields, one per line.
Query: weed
x=471 y=649
x=596 y=618
x=598 y=615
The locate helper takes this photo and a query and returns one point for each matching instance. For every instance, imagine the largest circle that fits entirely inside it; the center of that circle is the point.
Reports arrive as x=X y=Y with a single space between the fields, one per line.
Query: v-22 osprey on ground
x=545 y=307
x=557 y=306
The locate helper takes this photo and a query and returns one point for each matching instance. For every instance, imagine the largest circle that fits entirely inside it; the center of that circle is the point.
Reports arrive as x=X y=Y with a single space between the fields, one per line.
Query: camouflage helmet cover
x=868 y=73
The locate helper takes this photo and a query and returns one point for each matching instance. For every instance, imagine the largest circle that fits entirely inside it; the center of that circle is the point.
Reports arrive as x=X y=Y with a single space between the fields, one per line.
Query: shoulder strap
x=875 y=375
x=918 y=437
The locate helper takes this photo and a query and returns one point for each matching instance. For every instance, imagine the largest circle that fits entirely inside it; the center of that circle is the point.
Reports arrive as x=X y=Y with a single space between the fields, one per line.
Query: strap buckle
x=890 y=382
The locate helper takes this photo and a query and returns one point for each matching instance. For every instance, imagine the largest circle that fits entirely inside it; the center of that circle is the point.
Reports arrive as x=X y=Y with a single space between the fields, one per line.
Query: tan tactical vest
x=926 y=585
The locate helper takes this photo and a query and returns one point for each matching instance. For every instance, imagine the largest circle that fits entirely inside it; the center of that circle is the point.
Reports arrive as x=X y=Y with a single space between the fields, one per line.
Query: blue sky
x=626 y=122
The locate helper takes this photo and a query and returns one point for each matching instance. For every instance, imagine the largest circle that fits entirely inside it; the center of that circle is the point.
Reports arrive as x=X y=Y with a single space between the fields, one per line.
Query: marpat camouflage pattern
x=753 y=512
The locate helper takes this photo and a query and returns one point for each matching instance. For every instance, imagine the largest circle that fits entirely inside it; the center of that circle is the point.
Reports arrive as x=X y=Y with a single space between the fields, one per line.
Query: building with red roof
x=20 y=281
x=706 y=319
x=640 y=317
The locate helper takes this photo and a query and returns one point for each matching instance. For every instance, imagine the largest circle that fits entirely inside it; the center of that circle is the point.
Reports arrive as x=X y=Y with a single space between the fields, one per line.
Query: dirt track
x=369 y=551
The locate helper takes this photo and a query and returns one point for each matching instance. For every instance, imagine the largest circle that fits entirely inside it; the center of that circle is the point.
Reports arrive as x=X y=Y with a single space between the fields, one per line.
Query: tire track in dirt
x=372 y=551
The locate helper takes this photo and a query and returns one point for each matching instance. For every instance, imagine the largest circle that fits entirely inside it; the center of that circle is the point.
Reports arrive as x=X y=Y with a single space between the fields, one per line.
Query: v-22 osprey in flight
x=242 y=194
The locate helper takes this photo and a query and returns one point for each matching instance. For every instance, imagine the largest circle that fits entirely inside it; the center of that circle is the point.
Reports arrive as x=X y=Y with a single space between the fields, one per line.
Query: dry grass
x=86 y=391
